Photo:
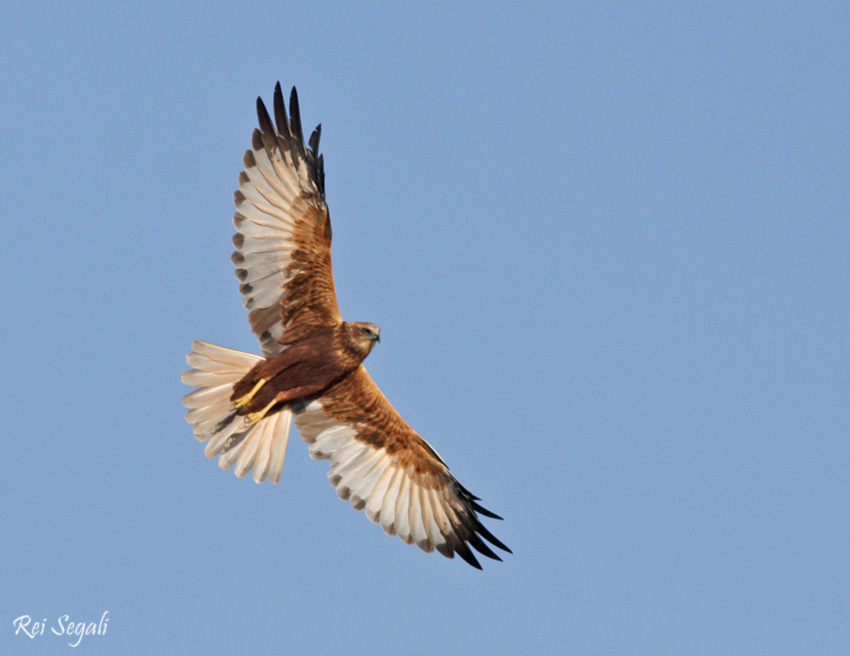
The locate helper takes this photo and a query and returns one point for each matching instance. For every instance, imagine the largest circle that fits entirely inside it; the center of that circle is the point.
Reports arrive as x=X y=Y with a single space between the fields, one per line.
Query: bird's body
x=312 y=368
x=306 y=367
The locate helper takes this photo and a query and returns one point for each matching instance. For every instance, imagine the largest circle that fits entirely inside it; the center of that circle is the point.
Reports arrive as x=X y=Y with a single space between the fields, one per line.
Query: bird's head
x=363 y=336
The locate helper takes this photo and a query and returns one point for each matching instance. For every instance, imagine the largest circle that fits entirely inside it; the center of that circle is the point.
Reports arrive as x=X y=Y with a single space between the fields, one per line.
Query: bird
x=311 y=369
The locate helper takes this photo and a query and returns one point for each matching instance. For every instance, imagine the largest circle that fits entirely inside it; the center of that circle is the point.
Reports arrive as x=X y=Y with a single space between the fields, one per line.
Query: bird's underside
x=311 y=369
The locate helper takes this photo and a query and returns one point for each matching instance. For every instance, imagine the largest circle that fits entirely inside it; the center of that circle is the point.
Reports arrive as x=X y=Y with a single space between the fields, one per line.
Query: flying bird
x=311 y=370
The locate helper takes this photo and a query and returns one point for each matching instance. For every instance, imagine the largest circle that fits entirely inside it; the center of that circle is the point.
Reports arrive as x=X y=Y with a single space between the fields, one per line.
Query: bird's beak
x=378 y=337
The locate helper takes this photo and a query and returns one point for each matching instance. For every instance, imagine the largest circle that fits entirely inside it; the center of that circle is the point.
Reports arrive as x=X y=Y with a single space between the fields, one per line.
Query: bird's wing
x=380 y=464
x=283 y=239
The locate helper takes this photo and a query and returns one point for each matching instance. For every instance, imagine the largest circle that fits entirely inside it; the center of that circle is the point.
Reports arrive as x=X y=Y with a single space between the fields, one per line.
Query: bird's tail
x=260 y=446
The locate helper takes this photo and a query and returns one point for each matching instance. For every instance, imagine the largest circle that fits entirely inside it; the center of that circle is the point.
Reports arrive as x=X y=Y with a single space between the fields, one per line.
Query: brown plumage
x=312 y=367
x=308 y=366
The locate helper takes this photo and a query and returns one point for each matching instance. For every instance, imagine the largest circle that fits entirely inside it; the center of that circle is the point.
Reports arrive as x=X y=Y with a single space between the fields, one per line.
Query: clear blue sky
x=609 y=248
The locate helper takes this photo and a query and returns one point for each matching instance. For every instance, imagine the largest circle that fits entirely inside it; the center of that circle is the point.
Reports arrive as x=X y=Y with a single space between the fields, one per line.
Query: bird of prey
x=312 y=368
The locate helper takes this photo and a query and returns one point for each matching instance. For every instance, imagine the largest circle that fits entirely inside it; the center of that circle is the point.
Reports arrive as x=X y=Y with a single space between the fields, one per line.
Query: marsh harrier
x=311 y=369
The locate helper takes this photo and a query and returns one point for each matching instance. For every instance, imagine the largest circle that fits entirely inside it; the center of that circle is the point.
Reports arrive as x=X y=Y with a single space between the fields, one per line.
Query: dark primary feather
x=267 y=137
x=280 y=115
x=295 y=128
x=316 y=161
x=314 y=139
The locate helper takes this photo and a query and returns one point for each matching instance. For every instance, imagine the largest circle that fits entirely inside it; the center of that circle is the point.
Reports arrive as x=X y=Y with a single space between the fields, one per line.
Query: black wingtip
x=294 y=107
x=481 y=547
x=483 y=511
x=280 y=113
x=492 y=539
x=295 y=123
x=266 y=127
x=463 y=551
x=314 y=139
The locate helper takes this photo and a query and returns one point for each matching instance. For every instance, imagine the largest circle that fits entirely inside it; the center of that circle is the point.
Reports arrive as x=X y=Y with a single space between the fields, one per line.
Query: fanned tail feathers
x=261 y=446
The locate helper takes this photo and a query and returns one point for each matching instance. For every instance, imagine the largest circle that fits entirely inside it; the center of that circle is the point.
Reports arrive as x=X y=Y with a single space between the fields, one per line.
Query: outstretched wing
x=283 y=239
x=380 y=464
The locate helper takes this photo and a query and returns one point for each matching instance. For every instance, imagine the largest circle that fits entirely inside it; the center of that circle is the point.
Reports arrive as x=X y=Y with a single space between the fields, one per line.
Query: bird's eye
x=366 y=331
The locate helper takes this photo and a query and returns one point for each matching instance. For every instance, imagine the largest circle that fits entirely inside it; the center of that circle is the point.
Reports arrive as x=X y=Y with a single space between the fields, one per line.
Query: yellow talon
x=245 y=400
x=254 y=417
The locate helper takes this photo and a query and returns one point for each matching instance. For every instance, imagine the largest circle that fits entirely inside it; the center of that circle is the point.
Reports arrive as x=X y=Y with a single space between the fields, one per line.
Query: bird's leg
x=245 y=400
x=253 y=417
